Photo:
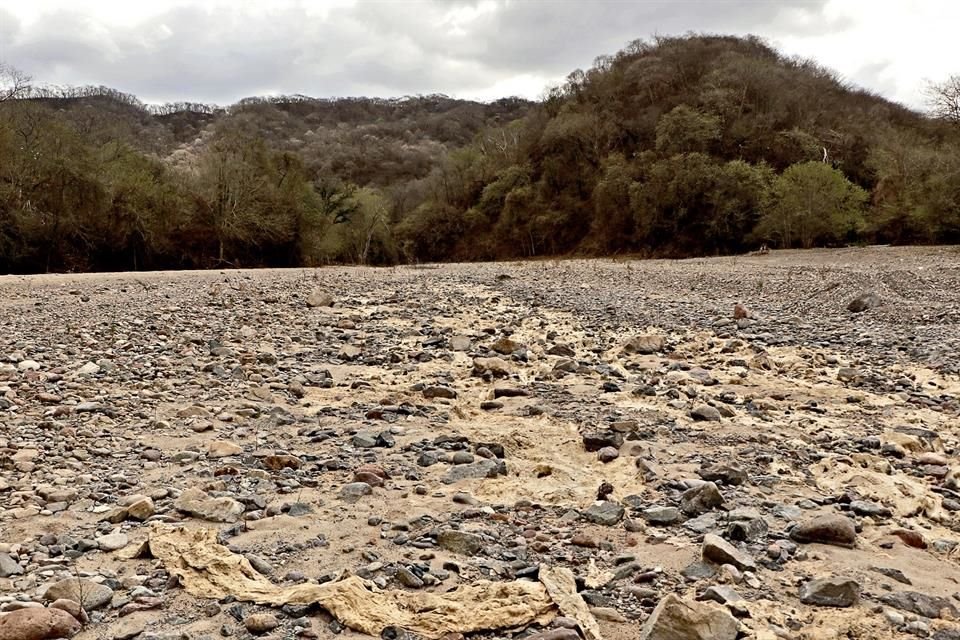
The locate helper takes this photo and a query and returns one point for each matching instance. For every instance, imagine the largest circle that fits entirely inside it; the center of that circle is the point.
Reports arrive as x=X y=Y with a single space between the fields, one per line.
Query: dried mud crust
x=353 y=439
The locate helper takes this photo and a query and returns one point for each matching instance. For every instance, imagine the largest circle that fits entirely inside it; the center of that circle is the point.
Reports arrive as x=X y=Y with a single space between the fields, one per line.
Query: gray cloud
x=371 y=48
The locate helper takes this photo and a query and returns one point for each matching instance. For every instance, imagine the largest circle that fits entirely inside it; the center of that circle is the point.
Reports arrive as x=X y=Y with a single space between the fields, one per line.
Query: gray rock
x=427 y=459
x=408 y=578
x=319 y=298
x=484 y=468
x=364 y=440
x=113 y=541
x=892 y=573
x=608 y=454
x=831 y=529
x=438 y=391
x=198 y=504
x=9 y=567
x=920 y=604
x=259 y=564
x=722 y=594
x=89 y=594
x=604 y=512
x=830 y=592
x=864 y=302
x=679 y=619
x=463 y=457
x=866 y=508
x=701 y=498
x=746 y=525
x=699 y=570
x=787 y=511
x=716 y=549
x=460 y=542
x=662 y=516
x=727 y=473
x=353 y=491
x=704 y=412
x=702 y=524
x=599 y=438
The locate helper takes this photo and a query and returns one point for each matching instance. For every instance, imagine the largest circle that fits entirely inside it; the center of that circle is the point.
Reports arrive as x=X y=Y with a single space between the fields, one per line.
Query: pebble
x=259 y=623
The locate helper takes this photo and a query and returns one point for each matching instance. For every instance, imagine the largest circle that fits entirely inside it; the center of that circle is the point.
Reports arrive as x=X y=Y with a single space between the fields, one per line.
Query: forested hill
x=698 y=145
x=675 y=146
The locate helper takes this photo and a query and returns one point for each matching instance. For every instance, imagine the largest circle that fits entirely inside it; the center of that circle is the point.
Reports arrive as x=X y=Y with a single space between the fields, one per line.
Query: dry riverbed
x=448 y=440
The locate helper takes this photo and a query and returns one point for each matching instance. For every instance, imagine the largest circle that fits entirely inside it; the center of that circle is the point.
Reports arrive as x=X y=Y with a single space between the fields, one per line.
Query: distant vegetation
x=676 y=146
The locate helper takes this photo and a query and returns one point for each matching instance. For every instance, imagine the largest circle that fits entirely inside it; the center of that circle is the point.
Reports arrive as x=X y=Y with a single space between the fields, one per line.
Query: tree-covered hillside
x=697 y=145
x=675 y=146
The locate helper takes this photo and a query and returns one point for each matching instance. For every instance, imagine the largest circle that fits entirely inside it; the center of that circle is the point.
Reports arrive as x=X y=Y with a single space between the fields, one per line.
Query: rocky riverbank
x=719 y=448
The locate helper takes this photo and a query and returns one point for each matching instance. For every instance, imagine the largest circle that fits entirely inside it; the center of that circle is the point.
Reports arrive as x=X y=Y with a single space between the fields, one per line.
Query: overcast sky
x=220 y=51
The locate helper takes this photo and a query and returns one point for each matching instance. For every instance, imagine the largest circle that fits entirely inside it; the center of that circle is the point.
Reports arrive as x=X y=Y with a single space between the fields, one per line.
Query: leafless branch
x=13 y=83
x=943 y=99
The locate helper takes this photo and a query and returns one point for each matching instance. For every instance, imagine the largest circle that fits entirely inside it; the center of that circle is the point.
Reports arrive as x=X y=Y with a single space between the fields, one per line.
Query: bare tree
x=13 y=83
x=944 y=99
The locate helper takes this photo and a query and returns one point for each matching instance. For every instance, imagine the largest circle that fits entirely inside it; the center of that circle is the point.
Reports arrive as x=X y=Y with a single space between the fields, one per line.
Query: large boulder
x=36 y=623
x=678 y=619
x=89 y=594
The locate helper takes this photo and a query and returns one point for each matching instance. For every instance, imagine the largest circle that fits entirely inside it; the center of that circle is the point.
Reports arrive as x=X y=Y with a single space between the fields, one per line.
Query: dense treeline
x=677 y=146
x=697 y=145
x=90 y=178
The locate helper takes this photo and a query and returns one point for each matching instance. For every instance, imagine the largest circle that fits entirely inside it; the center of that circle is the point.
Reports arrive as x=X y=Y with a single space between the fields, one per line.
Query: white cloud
x=221 y=50
x=890 y=46
x=525 y=84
